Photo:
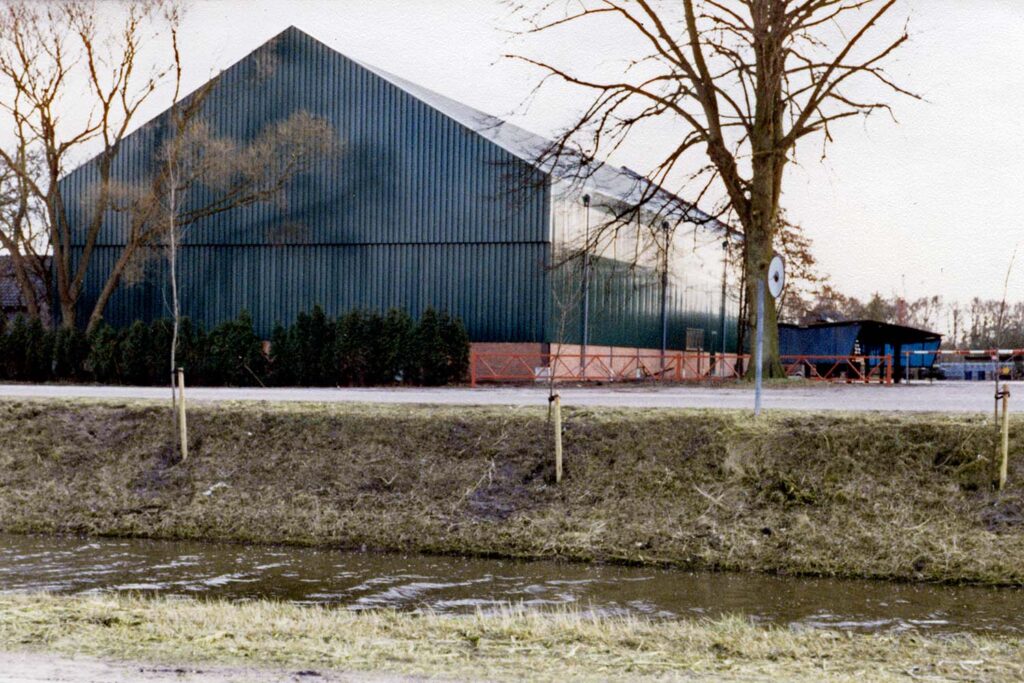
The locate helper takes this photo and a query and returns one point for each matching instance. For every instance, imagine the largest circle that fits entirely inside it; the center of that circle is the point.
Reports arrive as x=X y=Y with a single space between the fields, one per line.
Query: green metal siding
x=418 y=211
x=460 y=278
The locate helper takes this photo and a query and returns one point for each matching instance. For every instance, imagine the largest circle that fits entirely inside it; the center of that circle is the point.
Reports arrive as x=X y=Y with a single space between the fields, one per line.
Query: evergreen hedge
x=361 y=348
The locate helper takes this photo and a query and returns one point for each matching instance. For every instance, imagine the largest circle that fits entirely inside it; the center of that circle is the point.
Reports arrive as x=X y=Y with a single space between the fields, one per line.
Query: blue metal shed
x=862 y=338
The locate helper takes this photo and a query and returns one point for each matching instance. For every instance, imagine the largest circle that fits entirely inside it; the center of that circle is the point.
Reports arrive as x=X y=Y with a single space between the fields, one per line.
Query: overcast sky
x=928 y=205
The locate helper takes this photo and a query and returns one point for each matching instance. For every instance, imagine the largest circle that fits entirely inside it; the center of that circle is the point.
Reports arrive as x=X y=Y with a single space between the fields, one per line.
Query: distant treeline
x=360 y=348
x=979 y=324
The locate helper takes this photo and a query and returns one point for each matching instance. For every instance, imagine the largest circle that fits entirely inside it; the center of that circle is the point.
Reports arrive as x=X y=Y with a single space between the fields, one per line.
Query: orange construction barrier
x=696 y=366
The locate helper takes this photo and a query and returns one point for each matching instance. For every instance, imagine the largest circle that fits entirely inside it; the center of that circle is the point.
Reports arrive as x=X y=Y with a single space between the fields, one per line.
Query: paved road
x=939 y=397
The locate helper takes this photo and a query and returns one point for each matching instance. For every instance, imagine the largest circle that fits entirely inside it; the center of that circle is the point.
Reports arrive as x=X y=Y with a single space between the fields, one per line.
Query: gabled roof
x=619 y=184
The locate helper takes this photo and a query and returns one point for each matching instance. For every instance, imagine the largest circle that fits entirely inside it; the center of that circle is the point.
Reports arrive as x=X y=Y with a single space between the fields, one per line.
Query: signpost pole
x=776 y=280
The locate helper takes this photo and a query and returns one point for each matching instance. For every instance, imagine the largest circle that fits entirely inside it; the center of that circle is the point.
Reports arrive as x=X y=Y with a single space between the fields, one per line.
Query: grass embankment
x=512 y=646
x=849 y=495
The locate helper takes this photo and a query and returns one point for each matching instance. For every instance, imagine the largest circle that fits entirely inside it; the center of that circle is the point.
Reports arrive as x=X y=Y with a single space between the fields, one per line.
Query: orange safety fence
x=840 y=368
x=670 y=367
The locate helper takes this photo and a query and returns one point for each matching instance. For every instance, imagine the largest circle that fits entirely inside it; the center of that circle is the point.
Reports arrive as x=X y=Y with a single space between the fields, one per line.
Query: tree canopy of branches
x=196 y=161
x=745 y=80
x=986 y=324
x=72 y=85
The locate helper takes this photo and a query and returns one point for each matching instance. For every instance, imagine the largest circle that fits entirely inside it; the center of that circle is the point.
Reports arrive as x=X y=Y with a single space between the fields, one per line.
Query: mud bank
x=858 y=495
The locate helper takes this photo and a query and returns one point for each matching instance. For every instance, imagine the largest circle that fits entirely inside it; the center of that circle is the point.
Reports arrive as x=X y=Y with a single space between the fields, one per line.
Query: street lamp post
x=725 y=275
x=664 y=294
x=586 y=287
x=776 y=280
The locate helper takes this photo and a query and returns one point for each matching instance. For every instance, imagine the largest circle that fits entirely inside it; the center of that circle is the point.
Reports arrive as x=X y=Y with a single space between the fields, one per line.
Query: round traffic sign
x=776 y=276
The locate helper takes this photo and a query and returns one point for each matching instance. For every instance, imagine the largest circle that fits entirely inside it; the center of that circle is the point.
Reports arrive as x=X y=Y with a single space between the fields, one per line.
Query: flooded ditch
x=355 y=580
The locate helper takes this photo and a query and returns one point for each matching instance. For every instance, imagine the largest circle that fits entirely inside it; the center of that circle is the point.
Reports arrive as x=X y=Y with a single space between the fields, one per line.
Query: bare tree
x=1001 y=320
x=163 y=210
x=62 y=60
x=47 y=52
x=746 y=80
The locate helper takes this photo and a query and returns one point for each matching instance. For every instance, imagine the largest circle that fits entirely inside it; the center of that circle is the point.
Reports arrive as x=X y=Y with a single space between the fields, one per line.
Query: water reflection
x=414 y=582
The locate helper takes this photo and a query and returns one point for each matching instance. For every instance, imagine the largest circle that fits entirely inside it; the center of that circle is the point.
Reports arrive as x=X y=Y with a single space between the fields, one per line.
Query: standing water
x=356 y=580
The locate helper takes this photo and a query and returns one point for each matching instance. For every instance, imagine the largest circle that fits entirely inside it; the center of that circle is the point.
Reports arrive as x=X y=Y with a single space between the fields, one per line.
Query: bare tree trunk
x=67 y=312
x=172 y=263
x=109 y=287
x=758 y=256
x=61 y=259
x=759 y=249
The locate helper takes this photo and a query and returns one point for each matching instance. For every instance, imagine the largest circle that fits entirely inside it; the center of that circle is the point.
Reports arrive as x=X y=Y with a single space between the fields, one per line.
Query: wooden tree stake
x=556 y=402
x=1004 y=454
x=182 y=426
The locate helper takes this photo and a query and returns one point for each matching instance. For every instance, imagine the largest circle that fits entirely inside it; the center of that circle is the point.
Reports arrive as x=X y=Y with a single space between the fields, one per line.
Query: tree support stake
x=182 y=426
x=556 y=405
x=1003 y=395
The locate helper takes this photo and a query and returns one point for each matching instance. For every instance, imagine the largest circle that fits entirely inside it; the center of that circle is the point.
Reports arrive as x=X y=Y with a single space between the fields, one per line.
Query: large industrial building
x=424 y=207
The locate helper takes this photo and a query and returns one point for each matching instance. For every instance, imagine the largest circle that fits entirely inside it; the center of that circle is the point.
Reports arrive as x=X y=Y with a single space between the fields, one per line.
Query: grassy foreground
x=863 y=495
x=511 y=646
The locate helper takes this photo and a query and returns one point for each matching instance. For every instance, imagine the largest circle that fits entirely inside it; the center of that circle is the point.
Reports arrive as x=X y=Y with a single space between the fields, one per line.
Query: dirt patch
x=1003 y=517
x=508 y=491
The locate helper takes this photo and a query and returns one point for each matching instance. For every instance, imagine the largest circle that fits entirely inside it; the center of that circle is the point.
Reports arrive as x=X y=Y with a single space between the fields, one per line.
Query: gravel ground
x=949 y=397
x=22 y=667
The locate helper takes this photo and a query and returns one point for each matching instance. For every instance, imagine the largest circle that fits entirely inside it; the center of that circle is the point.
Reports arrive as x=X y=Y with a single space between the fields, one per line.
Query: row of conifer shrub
x=360 y=348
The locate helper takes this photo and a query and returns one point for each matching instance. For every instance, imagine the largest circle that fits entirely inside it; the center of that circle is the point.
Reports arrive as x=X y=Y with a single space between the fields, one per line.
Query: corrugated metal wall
x=836 y=340
x=418 y=211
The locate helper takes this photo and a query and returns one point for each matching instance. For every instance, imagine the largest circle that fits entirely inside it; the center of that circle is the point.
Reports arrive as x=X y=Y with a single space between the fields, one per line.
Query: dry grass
x=515 y=645
x=845 y=495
